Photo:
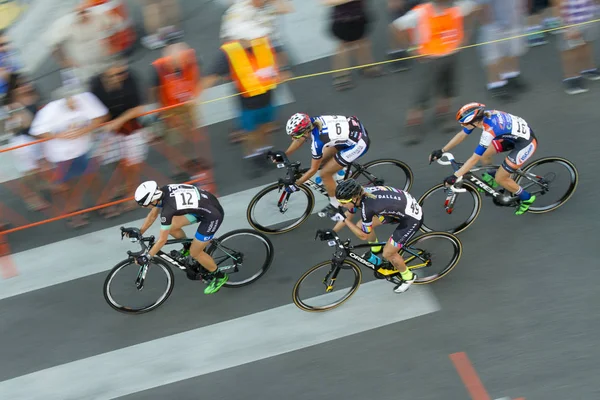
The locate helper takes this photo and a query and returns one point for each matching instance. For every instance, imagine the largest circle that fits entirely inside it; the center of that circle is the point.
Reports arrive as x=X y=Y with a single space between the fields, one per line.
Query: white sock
x=334 y=202
x=509 y=75
x=494 y=85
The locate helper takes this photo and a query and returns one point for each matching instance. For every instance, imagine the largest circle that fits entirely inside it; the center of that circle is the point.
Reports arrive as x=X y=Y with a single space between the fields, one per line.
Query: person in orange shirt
x=438 y=30
x=177 y=82
x=251 y=63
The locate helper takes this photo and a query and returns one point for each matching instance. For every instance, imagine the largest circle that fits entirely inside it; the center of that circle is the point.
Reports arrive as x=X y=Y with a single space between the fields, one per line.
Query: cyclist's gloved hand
x=435 y=155
x=276 y=158
x=451 y=180
x=144 y=259
x=340 y=215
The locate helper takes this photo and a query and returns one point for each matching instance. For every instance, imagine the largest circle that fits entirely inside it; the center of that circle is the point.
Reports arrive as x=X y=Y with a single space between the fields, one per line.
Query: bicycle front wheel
x=552 y=179
x=128 y=290
x=244 y=254
x=321 y=288
x=439 y=216
x=432 y=255
x=385 y=172
x=274 y=211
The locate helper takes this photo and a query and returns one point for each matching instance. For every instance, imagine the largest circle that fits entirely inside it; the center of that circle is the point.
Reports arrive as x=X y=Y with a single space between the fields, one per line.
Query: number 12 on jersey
x=186 y=198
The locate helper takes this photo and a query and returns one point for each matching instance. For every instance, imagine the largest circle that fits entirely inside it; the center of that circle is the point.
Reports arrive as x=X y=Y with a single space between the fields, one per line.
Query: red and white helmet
x=297 y=124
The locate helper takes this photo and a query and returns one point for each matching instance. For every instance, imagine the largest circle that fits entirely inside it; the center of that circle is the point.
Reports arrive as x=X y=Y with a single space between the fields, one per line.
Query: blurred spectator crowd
x=98 y=132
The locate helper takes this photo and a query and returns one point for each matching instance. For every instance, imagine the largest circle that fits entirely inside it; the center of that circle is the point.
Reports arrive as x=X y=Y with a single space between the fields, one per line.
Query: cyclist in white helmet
x=180 y=205
x=337 y=141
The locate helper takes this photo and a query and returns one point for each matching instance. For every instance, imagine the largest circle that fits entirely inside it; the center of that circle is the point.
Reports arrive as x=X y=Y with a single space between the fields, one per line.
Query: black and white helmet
x=147 y=192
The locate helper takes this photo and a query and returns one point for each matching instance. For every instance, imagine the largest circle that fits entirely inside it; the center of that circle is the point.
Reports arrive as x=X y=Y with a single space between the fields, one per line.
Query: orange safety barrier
x=205 y=180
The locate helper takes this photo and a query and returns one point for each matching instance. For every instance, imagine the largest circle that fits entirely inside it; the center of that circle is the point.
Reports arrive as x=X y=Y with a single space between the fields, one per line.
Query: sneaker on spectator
x=536 y=39
x=591 y=74
x=171 y=33
x=153 y=42
x=553 y=23
x=574 y=86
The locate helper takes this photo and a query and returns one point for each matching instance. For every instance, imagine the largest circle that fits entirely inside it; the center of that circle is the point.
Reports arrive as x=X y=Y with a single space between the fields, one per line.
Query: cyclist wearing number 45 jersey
x=382 y=205
x=337 y=141
x=180 y=205
x=506 y=132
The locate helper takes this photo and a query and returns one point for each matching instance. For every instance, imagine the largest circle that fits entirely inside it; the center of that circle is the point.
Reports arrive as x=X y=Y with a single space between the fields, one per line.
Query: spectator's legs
x=573 y=82
x=342 y=80
x=364 y=56
x=397 y=9
x=534 y=23
x=171 y=27
x=588 y=67
x=161 y=21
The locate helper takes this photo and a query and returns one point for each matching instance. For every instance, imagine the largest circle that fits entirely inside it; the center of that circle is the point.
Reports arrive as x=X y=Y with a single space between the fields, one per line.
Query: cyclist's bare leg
x=179 y=221
x=503 y=178
x=197 y=252
x=327 y=172
x=390 y=253
x=486 y=158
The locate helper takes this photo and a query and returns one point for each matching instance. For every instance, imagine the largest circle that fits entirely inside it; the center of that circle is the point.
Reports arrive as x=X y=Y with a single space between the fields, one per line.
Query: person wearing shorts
x=503 y=19
x=179 y=205
x=381 y=205
x=502 y=132
x=576 y=44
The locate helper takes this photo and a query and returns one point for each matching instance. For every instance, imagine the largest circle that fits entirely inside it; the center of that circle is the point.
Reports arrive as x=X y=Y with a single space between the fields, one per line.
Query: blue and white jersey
x=501 y=125
x=337 y=131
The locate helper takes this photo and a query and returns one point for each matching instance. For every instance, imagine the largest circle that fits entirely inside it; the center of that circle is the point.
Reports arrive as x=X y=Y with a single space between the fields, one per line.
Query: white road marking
x=235 y=342
x=99 y=251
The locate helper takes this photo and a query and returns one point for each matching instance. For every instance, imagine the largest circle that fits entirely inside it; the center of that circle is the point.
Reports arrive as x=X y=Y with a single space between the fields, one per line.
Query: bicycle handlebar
x=135 y=235
x=455 y=167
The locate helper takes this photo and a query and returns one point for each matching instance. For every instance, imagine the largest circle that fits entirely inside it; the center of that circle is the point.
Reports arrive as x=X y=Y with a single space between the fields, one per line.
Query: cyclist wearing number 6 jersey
x=382 y=205
x=504 y=132
x=337 y=141
x=180 y=205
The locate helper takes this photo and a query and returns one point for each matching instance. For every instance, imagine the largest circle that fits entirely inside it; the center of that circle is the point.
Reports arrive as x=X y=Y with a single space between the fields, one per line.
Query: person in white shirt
x=69 y=122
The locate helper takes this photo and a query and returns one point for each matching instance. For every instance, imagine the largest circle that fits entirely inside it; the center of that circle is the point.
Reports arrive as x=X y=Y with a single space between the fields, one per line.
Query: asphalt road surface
x=522 y=303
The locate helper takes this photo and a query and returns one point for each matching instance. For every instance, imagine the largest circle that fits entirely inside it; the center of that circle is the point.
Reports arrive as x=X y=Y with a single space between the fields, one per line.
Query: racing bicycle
x=274 y=210
x=418 y=255
x=539 y=178
x=242 y=271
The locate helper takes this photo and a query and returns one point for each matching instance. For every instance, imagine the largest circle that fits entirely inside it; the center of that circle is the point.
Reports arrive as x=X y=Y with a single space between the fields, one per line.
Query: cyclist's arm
x=356 y=230
x=339 y=225
x=314 y=168
x=152 y=215
x=162 y=240
x=455 y=141
x=468 y=165
x=295 y=145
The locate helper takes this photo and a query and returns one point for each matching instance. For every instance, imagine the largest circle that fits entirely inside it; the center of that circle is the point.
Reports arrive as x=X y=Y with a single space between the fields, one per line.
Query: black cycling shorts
x=518 y=154
x=208 y=226
x=406 y=229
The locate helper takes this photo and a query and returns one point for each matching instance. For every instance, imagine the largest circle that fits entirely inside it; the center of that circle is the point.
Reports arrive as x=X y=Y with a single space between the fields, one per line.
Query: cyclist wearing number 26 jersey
x=337 y=141
x=382 y=205
x=180 y=205
x=502 y=132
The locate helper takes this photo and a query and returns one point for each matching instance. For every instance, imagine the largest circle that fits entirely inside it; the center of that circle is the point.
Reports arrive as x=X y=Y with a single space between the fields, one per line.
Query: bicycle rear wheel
x=385 y=172
x=123 y=278
x=426 y=255
x=464 y=212
x=314 y=291
x=544 y=183
x=274 y=211
x=244 y=254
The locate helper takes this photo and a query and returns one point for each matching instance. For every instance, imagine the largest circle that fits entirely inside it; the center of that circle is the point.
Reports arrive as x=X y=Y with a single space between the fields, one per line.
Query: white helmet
x=297 y=124
x=147 y=192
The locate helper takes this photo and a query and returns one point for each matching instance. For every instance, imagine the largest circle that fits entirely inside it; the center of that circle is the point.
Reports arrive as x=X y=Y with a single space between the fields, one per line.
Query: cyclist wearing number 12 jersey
x=180 y=205
x=337 y=141
x=382 y=205
x=502 y=132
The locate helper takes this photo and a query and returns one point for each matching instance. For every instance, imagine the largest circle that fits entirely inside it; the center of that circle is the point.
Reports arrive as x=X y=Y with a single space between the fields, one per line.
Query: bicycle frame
x=500 y=198
x=344 y=250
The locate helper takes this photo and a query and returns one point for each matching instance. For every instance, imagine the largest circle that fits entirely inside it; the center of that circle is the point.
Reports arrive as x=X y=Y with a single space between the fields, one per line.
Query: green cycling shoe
x=215 y=284
x=524 y=206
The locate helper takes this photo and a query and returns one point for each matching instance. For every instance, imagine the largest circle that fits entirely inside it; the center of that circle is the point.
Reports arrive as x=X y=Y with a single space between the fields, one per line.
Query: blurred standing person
x=349 y=23
x=80 y=44
x=439 y=31
x=69 y=121
x=162 y=23
x=251 y=63
x=117 y=89
x=503 y=19
x=396 y=9
x=177 y=83
x=540 y=17
x=575 y=44
x=22 y=102
x=9 y=63
x=263 y=13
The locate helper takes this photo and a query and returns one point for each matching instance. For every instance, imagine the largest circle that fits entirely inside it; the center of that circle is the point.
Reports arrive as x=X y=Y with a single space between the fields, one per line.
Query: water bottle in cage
x=339 y=175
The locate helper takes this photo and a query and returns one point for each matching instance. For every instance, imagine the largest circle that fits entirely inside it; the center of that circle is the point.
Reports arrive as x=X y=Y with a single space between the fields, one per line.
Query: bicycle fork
x=282 y=204
x=329 y=280
x=450 y=200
